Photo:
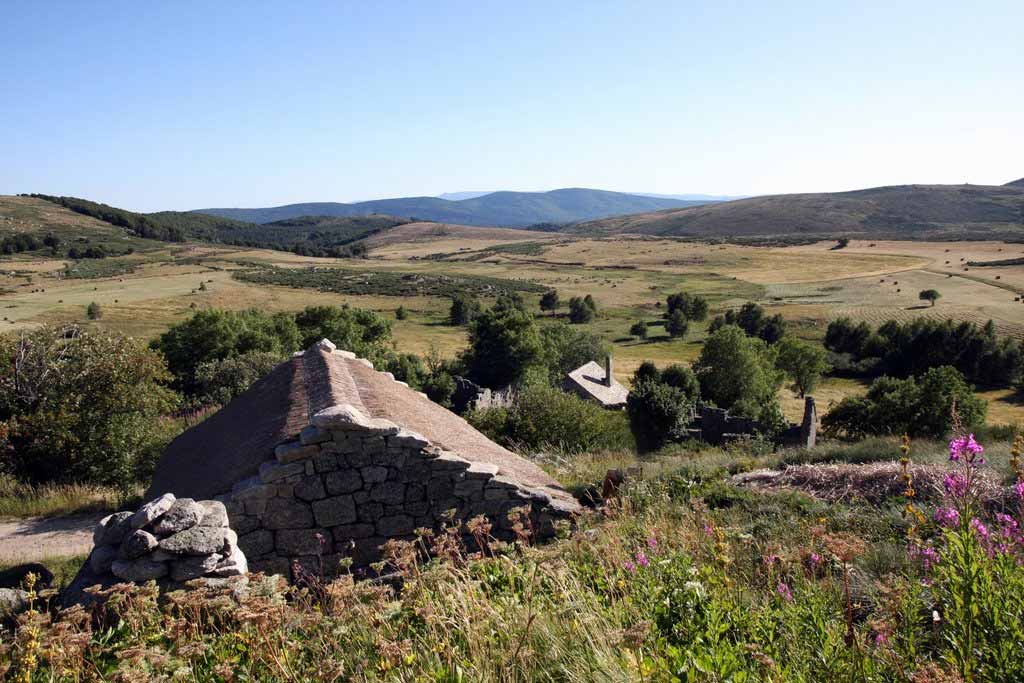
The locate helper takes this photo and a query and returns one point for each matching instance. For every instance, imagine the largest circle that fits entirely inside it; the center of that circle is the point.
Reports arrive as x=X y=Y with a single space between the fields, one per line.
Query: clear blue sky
x=178 y=105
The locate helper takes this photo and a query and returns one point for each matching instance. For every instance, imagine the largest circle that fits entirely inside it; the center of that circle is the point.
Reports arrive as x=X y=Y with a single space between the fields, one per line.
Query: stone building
x=327 y=456
x=598 y=384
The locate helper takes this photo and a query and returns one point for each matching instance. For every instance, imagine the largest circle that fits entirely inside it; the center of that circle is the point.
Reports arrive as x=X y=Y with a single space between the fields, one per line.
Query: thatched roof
x=589 y=381
x=229 y=446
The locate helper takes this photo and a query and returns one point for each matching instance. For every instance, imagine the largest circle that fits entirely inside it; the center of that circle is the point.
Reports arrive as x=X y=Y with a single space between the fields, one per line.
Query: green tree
x=464 y=309
x=218 y=334
x=639 y=329
x=677 y=325
x=738 y=373
x=401 y=313
x=803 y=362
x=566 y=348
x=658 y=412
x=930 y=295
x=582 y=310
x=219 y=381
x=93 y=311
x=503 y=343
x=549 y=301
x=364 y=333
x=81 y=406
x=693 y=306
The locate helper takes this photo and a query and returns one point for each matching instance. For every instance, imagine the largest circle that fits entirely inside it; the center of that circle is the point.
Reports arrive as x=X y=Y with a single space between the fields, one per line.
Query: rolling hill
x=896 y=212
x=511 y=209
x=1016 y=183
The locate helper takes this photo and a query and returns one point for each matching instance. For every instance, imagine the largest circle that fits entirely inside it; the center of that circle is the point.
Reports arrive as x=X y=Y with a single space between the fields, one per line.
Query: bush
x=219 y=381
x=362 y=332
x=543 y=417
x=566 y=348
x=751 y=318
x=908 y=406
x=549 y=301
x=503 y=343
x=81 y=407
x=464 y=310
x=677 y=325
x=738 y=373
x=401 y=313
x=582 y=310
x=693 y=306
x=660 y=404
x=93 y=311
x=638 y=329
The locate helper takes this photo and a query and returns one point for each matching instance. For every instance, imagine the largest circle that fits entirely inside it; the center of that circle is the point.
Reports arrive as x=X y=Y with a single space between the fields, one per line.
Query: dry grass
x=21 y=500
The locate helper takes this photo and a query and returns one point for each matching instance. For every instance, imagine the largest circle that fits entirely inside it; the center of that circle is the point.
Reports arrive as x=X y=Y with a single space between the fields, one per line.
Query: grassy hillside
x=902 y=211
x=517 y=209
x=310 y=235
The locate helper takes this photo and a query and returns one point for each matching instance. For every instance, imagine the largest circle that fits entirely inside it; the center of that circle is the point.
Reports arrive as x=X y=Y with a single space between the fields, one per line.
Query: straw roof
x=229 y=446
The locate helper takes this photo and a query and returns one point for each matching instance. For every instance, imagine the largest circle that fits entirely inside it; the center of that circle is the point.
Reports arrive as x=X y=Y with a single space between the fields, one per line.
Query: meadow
x=419 y=265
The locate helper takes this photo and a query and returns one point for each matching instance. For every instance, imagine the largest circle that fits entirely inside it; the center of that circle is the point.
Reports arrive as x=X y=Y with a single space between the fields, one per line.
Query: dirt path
x=38 y=538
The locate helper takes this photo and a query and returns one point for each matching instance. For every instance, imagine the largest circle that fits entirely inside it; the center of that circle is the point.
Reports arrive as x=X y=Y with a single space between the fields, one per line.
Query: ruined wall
x=349 y=483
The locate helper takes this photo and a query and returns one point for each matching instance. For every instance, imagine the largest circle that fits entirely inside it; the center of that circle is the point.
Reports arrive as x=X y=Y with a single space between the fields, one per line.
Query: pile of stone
x=171 y=540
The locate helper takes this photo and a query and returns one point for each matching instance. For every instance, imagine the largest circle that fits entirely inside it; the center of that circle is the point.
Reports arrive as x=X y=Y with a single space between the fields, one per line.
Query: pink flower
x=881 y=638
x=955 y=484
x=652 y=543
x=1018 y=488
x=979 y=528
x=784 y=592
x=815 y=559
x=947 y=517
x=1007 y=524
x=641 y=559
x=967 y=448
x=710 y=530
x=927 y=556
x=629 y=566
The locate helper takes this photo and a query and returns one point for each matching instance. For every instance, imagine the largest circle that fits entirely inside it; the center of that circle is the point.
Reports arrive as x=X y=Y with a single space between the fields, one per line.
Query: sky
x=183 y=105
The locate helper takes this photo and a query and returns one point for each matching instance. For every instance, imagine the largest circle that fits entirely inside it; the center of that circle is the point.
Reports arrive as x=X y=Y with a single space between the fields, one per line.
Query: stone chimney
x=608 y=370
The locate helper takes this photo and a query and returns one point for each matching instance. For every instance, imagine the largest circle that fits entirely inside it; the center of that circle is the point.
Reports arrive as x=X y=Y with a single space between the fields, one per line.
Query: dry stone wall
x=348 y=483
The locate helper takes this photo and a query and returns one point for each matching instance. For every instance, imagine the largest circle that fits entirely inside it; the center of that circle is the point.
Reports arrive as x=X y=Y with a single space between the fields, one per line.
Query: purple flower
x=967 y=448
x=1018 y=488
x=948 y=517
x=784 y=592
x=979 y=528
x=652 y=543
x=1007 y=524
x=629 y=566
x=956 y=484
x=927 y=556
x=881 y=638
x=815 y=559
x=641 y=559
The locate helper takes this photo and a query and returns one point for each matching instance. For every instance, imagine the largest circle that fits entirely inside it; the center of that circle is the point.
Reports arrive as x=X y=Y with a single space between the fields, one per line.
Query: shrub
x=401 y=313
x=638 y=329
x=82 y=407
x=93 y=311
x=464 y=309
x=566 y=348
x=219 y=381
x=908 y=406
x=660 y=403
x=582 y=310
x=503 y=343
x=543 y=417
x=751 y=318
x=364 y=333
x=738 y=373
x=549 y=300
x=677 y=325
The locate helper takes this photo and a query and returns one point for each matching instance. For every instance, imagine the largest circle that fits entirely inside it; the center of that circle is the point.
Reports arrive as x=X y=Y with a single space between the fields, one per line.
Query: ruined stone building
x=327 y=456
x=598 y=384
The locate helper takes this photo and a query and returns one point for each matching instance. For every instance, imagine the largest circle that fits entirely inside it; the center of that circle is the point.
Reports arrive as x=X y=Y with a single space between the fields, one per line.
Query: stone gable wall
x=349 y=483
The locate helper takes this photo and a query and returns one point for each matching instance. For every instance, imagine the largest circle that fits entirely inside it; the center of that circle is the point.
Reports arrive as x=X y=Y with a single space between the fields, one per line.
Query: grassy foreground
x=686 y=578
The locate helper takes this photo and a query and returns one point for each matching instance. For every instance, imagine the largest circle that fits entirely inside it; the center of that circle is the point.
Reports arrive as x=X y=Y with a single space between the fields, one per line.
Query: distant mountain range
x=506 y=209
x=899 y=212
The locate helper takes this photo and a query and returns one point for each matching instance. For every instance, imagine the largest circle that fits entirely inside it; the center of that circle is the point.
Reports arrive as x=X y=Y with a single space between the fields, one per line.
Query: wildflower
x=927 y=555
x=948 y=517
x=978 y=527
x=1007 y=524
x=641 y=559
x=955 y=484
x=710 y=530
x=1018 y=488
x=967 y=448
x=652 y=543
x=629 y=566
x=784 y=592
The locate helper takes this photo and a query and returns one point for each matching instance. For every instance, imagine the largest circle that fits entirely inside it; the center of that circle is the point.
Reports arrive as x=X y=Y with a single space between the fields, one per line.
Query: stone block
x=396 y=525
x=257 y=543
x=151 y=510
x=256 y=507
x=199 y=540
x=233 y=564
x=137 y=544
x=250 y=489
x=112 y=529
x=449 y=462
x=345 y=480
x=313 y=435
x=345 y=417
x=408 y=439
x=185 y=513
x=103 y=556
x=374 y=474
x=279 y=566
x=388 y=492
x=358 y=458
x=138 y=570
x=334 y=511
x=285 y=513
x=272 y=471
x=418 y=509
x=348 y=532
x=370 y=512
x=415 y=493
x=325 y=462
x=215 y=513
x=294 y=542
x=243 y=524
x=286 y=489
x=310 y=488
x=440 y=487
x=481 y=470
x=469 y=488
x=188 y=568
x=293 y=451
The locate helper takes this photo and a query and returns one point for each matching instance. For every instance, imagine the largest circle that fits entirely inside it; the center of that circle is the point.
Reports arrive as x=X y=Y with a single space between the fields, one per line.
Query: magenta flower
x=710 y=530
x=629 y=566
x=881 y=638
x=1007 y=525
x=967 y=448
x=926 y=555
x=784 y=592
x=948 y=517
x=652 y=543
x=956 y=484
x=641 y=559
x=1018 y=488
x=815 y=559
x=979 y=528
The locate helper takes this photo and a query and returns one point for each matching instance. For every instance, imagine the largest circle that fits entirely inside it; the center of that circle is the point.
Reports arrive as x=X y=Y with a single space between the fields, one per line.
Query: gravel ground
x=39 y=538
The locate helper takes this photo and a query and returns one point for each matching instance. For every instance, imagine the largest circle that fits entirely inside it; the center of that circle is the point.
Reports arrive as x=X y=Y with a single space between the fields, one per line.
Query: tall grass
x=18 y=499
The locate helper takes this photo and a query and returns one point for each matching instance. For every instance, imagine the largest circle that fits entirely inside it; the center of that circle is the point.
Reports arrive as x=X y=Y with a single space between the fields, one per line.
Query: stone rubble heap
x=350 y=482
x=170 y=540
